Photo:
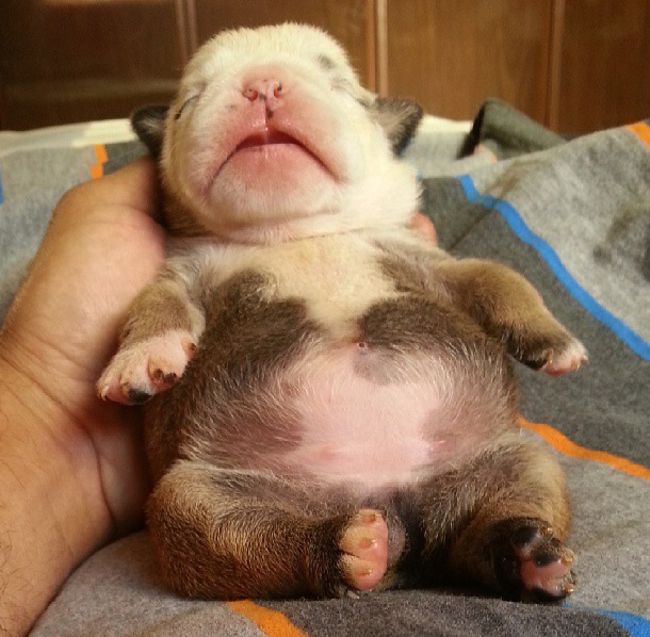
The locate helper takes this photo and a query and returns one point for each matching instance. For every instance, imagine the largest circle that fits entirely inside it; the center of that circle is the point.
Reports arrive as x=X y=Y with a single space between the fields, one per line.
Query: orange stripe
x=271 y=622
x=641 y=130
x=569 y=448
x=101 y=157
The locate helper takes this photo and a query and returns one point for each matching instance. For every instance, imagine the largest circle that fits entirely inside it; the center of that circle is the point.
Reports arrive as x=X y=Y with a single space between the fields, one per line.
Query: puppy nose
x=265 y=90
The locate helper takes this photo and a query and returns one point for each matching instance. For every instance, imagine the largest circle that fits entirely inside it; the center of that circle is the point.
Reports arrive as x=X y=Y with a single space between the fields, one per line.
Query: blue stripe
x=2 y=194
x=635 y=625
x=519 y=227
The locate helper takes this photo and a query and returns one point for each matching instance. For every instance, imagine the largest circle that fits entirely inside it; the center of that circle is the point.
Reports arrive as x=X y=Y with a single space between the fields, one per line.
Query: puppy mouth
x=273 y=142
x=266 y=138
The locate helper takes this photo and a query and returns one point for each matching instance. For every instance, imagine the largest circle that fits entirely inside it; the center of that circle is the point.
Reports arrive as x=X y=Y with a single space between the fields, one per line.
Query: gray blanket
x=574 y=217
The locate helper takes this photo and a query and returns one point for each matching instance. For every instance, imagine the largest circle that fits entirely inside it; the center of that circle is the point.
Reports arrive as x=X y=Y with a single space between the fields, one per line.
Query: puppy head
x=271 y=137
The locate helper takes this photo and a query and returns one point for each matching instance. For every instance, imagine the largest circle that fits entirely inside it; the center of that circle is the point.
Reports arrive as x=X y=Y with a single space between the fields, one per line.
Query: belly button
x=362 y=346
x=327 y=453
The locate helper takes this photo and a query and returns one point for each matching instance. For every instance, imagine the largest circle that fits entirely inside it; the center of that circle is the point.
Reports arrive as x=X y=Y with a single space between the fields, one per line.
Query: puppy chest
x=337 y=279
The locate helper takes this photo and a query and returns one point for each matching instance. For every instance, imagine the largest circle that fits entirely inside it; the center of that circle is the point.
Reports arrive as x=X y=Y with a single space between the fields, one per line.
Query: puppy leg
x=231 y=534
x=509 y=513
x=508 y=307
x=159 y=338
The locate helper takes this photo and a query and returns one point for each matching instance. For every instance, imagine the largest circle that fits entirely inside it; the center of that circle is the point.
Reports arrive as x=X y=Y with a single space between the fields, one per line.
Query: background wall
x=574 y=65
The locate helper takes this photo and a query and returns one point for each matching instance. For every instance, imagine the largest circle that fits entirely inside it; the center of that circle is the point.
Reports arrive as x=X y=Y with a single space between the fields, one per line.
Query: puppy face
x=271 y=136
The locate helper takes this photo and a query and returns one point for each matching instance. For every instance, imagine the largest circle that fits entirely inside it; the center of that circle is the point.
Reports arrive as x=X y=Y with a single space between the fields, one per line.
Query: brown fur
x=247 y=339
x=158 y=308
x=179 y=221
x=499 y=300
x=255 y=534
x=507 y=307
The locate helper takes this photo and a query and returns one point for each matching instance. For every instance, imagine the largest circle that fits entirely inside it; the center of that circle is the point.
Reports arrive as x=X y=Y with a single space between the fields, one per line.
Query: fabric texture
x=573 y=217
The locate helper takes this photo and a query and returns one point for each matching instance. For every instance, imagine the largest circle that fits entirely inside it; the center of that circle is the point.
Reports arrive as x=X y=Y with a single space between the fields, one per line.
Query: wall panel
x=71 y=60
x=603 y=69
x=350 y=21
x=452 y=54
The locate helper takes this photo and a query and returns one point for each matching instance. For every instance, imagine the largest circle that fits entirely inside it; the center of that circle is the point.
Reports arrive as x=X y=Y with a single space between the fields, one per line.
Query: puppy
x=330 y=403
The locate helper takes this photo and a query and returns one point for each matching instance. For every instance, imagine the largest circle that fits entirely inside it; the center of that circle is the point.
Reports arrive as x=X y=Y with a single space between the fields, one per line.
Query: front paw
x=145 y=368
x=566 y=359
x=554 y=354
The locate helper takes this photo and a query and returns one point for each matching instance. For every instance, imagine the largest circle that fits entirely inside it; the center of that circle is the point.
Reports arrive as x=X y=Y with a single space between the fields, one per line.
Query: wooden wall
x=452 y=55
x=575 y=65
x=604 y=55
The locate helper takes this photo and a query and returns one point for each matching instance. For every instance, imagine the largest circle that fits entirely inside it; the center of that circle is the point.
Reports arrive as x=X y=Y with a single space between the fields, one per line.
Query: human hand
x=101 y=248
x=424 y=226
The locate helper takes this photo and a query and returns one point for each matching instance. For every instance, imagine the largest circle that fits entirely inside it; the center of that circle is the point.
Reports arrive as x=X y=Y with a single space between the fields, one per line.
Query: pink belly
x=374 y=432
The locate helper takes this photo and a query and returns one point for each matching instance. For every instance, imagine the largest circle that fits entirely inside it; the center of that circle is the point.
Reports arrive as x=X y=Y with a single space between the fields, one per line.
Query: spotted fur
x=345 y=368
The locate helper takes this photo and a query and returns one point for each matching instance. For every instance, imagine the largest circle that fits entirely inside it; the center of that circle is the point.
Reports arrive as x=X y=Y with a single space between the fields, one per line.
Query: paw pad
x=365 y=550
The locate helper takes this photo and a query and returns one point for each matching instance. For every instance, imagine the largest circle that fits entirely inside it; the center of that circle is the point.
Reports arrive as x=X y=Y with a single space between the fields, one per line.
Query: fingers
x=136 y=183
x=424 y=226
x=132 y=187
x=100 y=249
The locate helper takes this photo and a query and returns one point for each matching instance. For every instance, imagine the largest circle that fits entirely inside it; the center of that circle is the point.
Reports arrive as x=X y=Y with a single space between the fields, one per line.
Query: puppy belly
x=379 y=429
x=353 y=429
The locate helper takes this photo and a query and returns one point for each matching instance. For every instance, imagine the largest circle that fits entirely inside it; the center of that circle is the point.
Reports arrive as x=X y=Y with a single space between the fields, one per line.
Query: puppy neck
x=394 y=212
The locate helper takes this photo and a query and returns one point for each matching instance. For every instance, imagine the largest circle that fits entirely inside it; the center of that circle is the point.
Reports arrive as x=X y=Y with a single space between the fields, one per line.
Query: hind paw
x=530 y=562
x=365 y=550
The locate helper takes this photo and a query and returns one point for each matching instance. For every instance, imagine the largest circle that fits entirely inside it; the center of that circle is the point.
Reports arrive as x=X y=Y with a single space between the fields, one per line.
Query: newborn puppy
x=331 y=405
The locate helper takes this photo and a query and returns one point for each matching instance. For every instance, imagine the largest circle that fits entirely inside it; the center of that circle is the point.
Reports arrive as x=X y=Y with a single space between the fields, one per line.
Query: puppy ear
x=148 y=123
x=399 y=117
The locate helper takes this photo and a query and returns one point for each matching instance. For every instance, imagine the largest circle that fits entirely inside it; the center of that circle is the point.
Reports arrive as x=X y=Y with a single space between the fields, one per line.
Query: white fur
x=358 y=182
x=347 y=283
x=568 y=360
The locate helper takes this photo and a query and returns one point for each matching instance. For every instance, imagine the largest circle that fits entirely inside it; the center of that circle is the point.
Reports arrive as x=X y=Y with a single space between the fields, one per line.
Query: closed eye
x=345 y=86
x=185 y=103
x=325 y=62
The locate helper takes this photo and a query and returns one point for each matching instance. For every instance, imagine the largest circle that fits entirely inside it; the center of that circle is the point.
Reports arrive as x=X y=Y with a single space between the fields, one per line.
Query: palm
x=100 y=250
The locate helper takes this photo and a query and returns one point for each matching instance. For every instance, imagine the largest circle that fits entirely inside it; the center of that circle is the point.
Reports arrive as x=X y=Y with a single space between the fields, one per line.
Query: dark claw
x=549 y=553
x=137 y=396
x=170 y=378
x=515 y=542
x=524 y=535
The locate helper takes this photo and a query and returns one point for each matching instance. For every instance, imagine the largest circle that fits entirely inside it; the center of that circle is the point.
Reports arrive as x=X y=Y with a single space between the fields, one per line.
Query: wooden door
x=453 y=54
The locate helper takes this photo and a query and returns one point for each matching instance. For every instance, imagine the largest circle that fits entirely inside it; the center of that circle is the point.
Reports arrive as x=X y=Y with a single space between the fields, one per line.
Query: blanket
x=574 y=217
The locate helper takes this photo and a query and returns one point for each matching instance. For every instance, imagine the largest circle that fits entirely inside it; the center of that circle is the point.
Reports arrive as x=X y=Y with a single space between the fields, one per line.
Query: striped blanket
x=572 y=216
